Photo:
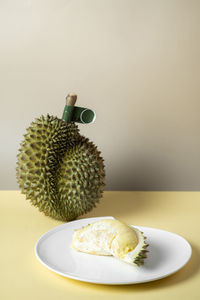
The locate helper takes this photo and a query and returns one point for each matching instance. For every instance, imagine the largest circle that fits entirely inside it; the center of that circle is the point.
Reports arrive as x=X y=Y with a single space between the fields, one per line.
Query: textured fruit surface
x=111 y=237
x=59 y=171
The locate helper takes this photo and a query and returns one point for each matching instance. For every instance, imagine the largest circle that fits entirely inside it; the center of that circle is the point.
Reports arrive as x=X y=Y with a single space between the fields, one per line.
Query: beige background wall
x=136 y=63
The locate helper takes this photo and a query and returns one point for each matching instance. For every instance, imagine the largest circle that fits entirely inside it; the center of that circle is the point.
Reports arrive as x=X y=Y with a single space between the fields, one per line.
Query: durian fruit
x=59 y=171
x=111 y=237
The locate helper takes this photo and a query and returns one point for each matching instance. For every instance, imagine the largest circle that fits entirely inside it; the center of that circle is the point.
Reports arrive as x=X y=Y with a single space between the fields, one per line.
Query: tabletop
x=23 y=277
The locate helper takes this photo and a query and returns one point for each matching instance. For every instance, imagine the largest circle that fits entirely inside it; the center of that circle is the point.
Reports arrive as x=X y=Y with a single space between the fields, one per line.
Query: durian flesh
x=111 y=237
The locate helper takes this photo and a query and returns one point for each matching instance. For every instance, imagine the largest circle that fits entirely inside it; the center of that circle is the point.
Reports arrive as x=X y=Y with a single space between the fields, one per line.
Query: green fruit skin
x=59 y=171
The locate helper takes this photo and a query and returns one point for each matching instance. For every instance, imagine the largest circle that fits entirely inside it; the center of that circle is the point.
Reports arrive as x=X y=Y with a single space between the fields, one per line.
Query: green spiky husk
x=139 y=259
x=59 y=171
x=142 y=254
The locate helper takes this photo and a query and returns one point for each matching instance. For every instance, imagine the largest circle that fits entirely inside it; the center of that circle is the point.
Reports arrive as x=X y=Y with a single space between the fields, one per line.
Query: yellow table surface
x=23 y=277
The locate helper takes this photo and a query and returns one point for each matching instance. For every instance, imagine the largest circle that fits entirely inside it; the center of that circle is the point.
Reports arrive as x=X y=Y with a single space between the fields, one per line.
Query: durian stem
x=71 y=99
x=69 y=107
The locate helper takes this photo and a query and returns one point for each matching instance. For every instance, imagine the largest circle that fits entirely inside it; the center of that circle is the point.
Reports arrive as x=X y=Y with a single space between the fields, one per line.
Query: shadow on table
x=186 y=273
x=123 y=204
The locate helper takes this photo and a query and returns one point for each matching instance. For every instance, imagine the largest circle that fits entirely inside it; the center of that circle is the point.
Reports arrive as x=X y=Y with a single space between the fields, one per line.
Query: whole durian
x=59 y=171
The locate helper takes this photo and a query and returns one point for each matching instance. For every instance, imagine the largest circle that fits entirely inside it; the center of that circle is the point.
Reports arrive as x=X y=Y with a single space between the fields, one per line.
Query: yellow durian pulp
x=111 y=237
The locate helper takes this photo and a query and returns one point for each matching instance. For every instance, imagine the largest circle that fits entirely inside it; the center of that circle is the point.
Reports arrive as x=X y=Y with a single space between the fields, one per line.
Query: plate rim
x=75 y=277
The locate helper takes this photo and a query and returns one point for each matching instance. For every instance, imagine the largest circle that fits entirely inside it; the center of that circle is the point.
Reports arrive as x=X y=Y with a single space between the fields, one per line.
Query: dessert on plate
x=114 y=238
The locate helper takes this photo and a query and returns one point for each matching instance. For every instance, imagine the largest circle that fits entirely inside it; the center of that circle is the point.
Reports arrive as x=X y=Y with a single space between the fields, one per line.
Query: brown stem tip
x=71 y=99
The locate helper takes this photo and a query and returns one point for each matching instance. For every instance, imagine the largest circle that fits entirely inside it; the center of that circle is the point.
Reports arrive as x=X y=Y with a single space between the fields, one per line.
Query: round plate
x=168 y=253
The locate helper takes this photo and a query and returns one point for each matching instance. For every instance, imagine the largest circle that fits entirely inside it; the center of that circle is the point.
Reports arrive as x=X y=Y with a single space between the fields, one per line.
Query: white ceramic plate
x=169 y=252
